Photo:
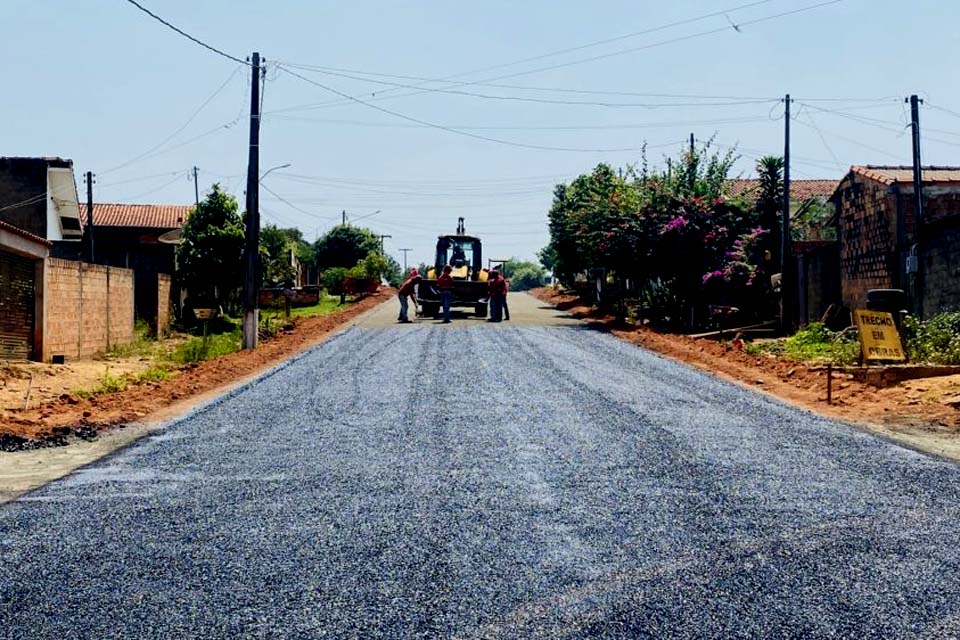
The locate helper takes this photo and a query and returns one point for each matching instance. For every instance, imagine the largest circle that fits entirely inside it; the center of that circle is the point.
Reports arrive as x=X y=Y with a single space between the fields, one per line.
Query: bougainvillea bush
x=666 y=234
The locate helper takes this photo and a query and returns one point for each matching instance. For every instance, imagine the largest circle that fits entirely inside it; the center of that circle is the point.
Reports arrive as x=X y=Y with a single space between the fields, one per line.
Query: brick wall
x=88 y=308
x=164 y=303
x=868 y=239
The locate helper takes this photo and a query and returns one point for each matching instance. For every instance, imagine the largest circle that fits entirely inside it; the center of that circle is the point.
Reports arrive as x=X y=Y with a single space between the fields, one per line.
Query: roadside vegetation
x=933 y=341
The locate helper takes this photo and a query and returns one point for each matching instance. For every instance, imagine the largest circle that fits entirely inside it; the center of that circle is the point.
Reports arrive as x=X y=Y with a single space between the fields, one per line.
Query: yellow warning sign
x=879 y=337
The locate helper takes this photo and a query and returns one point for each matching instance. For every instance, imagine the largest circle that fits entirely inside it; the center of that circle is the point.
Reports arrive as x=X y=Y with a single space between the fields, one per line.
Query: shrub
x=936 y=340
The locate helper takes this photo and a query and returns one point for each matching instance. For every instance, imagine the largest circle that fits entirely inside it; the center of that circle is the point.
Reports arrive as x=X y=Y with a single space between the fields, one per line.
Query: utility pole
x=196 y=188
x=405 y=259
x=251 y=288
x=787 y=284
x=381 y=244
x=90 y=256
x=693 y=168
x=917 y=207
x=343 y=219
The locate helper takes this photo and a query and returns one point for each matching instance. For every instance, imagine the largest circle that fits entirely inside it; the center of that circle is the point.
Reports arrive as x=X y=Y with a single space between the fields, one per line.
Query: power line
x=588 y=103
x=180 y=129
x=185 y=34
x=622 y=51
x=441 y=127
x=293 y=206
x=557 y=52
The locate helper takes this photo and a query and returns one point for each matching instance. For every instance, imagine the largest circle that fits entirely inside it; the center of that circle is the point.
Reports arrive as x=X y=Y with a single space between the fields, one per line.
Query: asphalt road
x=490 y=481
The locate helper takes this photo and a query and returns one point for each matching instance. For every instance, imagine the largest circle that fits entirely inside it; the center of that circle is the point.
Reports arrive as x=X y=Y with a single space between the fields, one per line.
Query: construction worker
x=445 y=287
x=506 y=290
x=407 y=291
x=495 y=295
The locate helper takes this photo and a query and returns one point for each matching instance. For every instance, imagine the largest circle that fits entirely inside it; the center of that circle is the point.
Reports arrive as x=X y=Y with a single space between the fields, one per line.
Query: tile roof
x=5 y=226
x=893 y=174
x=147 y=216
x=800 y=190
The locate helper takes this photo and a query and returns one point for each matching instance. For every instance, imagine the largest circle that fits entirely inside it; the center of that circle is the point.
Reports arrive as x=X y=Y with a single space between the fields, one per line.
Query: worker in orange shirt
x=445 y=287
x=407 y=291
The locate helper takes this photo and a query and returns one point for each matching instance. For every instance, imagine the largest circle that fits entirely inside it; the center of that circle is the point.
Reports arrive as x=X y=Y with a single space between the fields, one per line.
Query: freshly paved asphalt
x=490 y=481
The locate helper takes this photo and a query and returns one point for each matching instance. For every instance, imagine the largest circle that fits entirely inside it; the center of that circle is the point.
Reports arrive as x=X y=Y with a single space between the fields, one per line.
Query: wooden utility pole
x=196 y=188
x=917 y=207
x=90 y=256
x=251 y=284
x=381 y=244
x=787 y=281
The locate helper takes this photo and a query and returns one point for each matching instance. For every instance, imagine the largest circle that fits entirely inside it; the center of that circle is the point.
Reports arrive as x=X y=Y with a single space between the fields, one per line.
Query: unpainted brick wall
x=164 y=303
x=868 y=239
x=88 y=308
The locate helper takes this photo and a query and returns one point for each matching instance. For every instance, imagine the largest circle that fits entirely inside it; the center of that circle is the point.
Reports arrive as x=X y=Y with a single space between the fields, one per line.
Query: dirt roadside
x=57 y=421
x=912 y=412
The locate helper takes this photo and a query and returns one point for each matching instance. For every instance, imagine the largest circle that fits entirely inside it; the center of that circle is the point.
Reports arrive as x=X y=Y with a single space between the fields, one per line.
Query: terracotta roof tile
x=147 y=216
x=888 y=174
x=24 y=234
x=800 y=190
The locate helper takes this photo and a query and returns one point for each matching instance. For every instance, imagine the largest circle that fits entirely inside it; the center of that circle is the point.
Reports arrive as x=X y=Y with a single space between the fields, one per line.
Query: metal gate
x=17 y=282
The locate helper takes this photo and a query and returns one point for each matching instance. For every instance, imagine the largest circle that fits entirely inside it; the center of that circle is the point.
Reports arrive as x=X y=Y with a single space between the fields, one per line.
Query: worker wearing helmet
x=445 y=287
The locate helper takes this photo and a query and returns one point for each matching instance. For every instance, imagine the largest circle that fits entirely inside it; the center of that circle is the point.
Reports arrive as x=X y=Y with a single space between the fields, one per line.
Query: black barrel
x=892 y=300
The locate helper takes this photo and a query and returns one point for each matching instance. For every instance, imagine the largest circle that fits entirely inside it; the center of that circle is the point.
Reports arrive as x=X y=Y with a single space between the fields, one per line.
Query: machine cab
x=463 y=253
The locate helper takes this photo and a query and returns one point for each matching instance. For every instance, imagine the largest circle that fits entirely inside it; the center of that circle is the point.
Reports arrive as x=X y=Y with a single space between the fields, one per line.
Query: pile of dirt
x=915 y=409
x=53 y=422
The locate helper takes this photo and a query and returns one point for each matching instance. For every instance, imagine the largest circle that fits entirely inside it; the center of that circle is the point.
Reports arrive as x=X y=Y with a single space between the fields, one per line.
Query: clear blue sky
x=102 y=83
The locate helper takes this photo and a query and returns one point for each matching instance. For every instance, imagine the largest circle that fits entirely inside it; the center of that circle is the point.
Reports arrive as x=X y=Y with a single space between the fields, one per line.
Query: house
x=137 y=237
x=39 y=196
x=882 y=245
x=38 y=208
x=22 y=260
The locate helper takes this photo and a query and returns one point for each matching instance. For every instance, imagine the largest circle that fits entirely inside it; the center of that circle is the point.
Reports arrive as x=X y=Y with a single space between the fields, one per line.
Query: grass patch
x=327 y=304
x=812 y=343
x=156 y=373
x=198 y=349
x=143 y=345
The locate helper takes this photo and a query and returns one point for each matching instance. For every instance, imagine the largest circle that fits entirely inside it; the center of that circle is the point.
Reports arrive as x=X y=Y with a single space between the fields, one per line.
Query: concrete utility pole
x=251 y=284
x=196 y=187
x=381 y=244
x=343 y=219
x=917 y=205
x=405 y=259
x=787 y=283
x=90 y=255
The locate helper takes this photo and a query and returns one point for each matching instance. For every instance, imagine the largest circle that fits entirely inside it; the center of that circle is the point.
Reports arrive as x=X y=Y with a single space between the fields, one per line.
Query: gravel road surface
x=490 y=481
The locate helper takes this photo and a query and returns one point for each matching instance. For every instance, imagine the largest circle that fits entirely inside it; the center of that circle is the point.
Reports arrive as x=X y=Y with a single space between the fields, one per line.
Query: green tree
x=769 y=206
x=394 y=274
x=523 y=274
x=210 y=255
x=345 y=246
x=277 y=248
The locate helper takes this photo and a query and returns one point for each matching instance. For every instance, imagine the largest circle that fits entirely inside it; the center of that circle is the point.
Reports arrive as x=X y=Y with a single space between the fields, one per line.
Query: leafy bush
x=936 y=340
